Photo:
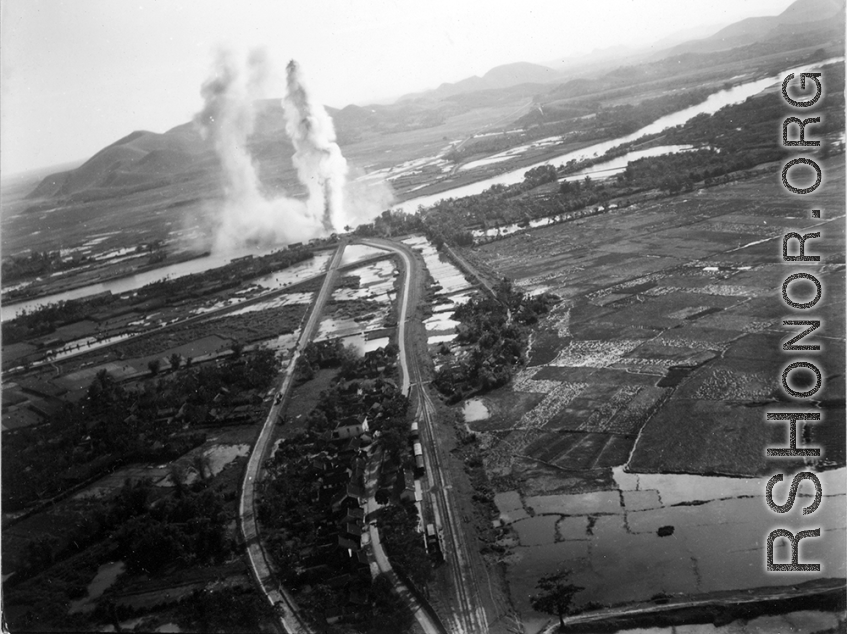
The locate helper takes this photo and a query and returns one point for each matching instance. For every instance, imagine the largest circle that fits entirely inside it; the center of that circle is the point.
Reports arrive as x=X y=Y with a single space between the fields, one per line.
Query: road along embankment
x=290 y=618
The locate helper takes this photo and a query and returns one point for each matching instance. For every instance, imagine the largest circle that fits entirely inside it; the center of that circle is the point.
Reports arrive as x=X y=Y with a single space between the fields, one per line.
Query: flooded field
x=107 y=574
x=474 y=409
x=451 y=289
x=357 y=252
x=648 y=366
x=358 y=314
x=376 y=282
x=713 y=536
x=286 y=299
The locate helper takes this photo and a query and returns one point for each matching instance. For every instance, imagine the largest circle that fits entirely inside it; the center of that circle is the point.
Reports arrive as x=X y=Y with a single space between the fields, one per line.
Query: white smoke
x=248 y=216
x=320 y=165
x=228 y=118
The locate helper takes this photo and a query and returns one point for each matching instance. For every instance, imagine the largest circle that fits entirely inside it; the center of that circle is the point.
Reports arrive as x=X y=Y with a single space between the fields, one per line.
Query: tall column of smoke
x=320 y=165
x=248 y=216
x=228 y=118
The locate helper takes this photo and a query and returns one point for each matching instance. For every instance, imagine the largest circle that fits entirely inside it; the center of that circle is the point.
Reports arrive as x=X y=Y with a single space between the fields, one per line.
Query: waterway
x=610 y=538
x=712 y=104
x=277 y=280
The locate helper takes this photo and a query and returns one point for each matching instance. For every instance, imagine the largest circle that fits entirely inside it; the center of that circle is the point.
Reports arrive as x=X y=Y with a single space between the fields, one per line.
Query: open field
x=669 y=307
x=661 y=359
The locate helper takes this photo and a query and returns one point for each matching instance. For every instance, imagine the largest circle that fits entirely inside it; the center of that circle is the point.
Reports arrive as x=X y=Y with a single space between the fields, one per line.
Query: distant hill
x=802 y=16
x=140 y=157
x=503 y=76
x=144 y=160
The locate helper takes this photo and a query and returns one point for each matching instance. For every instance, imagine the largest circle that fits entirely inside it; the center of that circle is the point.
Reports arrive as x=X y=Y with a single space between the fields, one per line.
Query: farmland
x=661 y=358
x=687 y=282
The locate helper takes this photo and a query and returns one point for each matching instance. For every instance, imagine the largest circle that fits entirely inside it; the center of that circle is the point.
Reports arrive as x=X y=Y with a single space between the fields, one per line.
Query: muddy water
x=106 y=575
x=718 y=530
x=474 y=410
x=376 y=284
x=220 y=456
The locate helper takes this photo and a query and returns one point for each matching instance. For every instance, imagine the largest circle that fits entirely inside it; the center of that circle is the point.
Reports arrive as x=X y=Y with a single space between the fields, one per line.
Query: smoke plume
x=250 y=216
x=320 y=165
x=228 y=118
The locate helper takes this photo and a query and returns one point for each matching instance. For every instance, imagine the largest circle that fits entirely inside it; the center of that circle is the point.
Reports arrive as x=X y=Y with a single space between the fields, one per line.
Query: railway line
x=468 y=615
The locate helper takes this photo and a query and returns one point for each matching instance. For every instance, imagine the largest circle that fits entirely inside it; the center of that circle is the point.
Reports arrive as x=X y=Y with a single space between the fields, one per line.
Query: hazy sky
x=79 y=74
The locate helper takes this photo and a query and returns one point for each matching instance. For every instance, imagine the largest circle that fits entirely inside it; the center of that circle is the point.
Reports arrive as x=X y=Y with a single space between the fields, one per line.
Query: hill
x=138 y=159
x=504 y=76
x=802 y=17
x=145 y=160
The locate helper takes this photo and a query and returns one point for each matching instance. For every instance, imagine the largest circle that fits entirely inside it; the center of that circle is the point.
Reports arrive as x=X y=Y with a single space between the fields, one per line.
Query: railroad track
x=469 y=617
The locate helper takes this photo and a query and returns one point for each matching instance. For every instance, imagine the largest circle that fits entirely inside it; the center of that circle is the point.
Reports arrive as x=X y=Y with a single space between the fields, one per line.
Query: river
x=712 y=104
x=173 y=271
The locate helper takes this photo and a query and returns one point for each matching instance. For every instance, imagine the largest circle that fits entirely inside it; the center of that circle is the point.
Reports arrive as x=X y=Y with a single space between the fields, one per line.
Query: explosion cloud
x=320 y=165
x=248 y=216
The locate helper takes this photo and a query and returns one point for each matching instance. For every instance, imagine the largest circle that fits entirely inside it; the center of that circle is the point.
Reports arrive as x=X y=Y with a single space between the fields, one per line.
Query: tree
x=202 y=465
x=398 y=528
x=154 y=365
x=237 y=349
x=389 y=612
x=555 y=596
x=382 y=496
x=175 y=361
x=178 y=474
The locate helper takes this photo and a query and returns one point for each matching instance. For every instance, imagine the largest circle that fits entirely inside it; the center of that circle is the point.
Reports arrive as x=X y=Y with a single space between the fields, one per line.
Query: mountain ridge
x=144 y=159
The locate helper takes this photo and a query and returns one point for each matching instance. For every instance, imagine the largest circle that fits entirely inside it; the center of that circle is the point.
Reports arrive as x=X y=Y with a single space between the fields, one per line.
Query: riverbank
x=73 y=279
x=718 y=608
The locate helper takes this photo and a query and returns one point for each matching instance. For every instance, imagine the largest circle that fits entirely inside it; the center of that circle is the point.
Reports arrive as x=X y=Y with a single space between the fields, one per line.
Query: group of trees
x=494 y=333
x=224 y=610
x=38 y=263
x=398 y=531
x=44 y=320
x=188 y=528
x=295 y=505
x=151 y=529
x=114 y=423
x=391 y=223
